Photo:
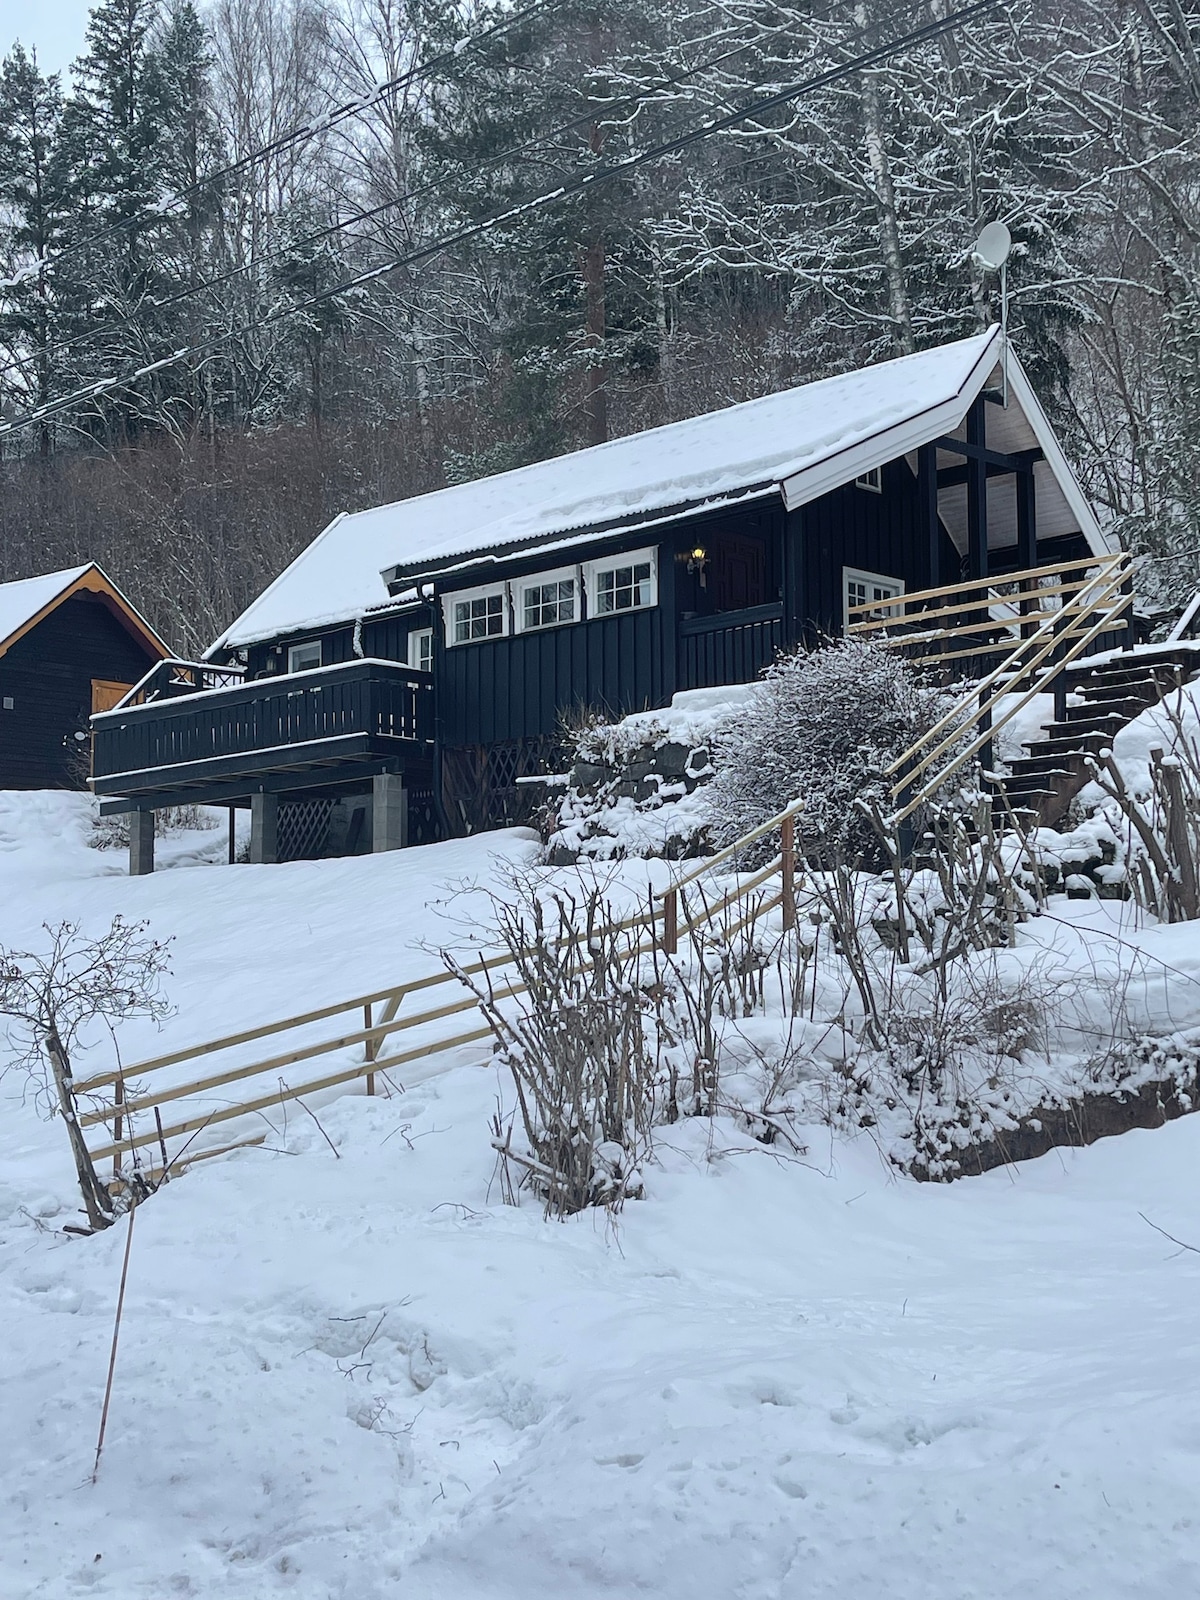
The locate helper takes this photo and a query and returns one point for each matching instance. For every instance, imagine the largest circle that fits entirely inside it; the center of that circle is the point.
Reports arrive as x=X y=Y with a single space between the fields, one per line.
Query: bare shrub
x=112 y=833
x=50 y=998
x=582 y=1039
x=1163 y=818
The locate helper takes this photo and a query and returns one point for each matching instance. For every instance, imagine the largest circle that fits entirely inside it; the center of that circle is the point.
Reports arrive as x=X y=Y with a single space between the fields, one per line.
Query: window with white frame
x=304 y=657
x=869 y=588
x=872 y=480
x=546 y=599
x=622 y=583
x=476 y=614
x=420 y=649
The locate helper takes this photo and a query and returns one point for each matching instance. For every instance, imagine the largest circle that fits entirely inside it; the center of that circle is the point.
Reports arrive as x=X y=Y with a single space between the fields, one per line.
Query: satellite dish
x=992 y=247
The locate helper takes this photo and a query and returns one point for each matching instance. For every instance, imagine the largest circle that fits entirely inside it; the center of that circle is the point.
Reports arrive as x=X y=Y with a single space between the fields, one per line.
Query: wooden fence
x=138 y=1117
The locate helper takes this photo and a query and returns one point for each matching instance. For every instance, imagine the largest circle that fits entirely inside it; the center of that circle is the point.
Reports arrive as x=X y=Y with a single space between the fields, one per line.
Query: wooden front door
x=737 y=573
x=106 y=694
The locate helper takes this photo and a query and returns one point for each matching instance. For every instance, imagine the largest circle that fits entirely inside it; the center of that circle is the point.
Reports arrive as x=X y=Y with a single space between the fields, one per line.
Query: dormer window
x=304 y=657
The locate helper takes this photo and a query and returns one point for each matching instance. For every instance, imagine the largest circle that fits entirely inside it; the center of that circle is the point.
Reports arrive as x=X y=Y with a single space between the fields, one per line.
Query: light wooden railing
x=119 y=1098
x=985 y=618
x=1034 y=643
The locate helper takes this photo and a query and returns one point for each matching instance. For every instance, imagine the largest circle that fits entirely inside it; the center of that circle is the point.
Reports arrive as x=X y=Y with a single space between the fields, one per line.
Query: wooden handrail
x=977 y=606
x=1102 y=625
x=965 y=586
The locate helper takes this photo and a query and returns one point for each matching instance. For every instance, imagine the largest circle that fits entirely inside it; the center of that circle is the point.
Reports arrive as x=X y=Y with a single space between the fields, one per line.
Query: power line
x=578 y=185
x=284 y=141
x=610 y=109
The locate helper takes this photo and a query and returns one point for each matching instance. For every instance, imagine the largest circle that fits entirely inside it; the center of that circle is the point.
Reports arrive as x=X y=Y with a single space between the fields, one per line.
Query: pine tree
x=33 y=203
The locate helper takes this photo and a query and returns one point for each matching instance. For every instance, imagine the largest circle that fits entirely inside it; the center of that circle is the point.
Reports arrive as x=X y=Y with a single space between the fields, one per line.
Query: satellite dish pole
x=991 y=254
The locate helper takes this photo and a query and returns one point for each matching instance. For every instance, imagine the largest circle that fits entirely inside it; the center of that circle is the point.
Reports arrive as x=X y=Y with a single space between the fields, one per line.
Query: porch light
x=696 y=560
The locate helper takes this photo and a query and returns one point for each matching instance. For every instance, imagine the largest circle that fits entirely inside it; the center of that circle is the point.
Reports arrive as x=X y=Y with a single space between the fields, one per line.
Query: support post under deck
x=264 y=828
x=389 y=812
x=141 y=843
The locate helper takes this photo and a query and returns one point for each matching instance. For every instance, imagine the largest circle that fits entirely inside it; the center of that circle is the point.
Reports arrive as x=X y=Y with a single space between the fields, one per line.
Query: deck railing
x=208 y=731
x=1031 y=624
x=730 y=647
x=172 y=677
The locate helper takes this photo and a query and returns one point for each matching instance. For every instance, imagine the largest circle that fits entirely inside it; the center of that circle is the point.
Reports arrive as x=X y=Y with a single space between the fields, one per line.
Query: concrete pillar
x=389 y=812
x=141 y=843
x=264 y=828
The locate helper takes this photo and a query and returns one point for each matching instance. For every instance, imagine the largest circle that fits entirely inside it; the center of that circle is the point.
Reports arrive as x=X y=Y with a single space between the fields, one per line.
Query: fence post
x=118 y=1102
x=670 y=934
x=787 y=850
x=370 y=1047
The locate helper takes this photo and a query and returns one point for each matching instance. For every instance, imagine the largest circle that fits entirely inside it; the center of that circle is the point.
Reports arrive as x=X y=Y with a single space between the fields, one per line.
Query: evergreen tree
x=33 y=203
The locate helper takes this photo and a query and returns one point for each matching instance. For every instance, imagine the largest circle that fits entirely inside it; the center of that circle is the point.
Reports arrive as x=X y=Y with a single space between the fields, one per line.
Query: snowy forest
x=332 y=231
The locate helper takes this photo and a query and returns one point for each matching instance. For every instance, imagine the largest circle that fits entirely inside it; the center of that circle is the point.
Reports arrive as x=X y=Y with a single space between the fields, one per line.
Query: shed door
x=106 y=693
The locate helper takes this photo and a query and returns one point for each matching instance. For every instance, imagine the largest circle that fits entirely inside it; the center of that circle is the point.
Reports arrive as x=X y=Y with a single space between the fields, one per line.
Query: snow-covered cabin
x=70 y=644
x=417 y=659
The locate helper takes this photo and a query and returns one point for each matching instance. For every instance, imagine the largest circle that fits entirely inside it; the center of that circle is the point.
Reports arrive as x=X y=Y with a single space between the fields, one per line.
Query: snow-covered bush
x=823 y=728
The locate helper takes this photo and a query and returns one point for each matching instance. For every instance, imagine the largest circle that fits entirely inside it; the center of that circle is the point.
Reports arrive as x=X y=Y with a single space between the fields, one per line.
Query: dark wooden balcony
x=730 y=647
x=305 y=727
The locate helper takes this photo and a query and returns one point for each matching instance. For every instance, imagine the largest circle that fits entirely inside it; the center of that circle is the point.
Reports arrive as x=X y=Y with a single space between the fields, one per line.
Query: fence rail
x=134 y=1110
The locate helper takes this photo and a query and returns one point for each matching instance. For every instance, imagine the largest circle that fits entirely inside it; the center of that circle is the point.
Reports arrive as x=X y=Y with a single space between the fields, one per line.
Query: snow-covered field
x=360 y=1375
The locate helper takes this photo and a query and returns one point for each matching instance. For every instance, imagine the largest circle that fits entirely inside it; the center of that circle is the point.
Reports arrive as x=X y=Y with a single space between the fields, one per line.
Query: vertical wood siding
x=48 y=676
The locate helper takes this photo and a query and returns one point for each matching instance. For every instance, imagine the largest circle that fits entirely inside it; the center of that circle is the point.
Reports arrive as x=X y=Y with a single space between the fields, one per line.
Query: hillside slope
x=360 y=1375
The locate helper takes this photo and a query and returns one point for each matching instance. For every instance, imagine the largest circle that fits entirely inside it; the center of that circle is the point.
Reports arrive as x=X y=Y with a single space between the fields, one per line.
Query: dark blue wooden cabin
x=418 y=659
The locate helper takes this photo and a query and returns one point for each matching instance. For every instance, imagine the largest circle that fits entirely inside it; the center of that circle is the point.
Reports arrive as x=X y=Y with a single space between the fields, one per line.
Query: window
x=865 y=588
x=476 y=614
x=872 y=480
x=420 y=649
x=304 y=657
x=622 y=583
x=547 y=599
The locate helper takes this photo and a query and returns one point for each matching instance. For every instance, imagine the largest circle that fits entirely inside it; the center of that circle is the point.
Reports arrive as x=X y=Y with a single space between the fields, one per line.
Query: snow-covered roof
x=21 y=601
x=800 y=443
x=26 y=600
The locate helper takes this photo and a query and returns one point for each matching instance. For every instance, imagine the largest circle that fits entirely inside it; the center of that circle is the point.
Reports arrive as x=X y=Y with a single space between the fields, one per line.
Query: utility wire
x=578 y=185
x=613 y=108
x=609 y=109
x=300 y=135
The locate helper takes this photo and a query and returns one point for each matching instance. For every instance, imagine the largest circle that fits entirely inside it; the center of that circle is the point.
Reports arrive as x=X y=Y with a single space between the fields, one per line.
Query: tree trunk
x=96 y=1199
x=596 y=399
x=885 y=202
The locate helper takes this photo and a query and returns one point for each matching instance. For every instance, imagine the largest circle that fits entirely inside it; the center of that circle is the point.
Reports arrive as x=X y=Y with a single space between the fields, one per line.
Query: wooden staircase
x=1100 y=699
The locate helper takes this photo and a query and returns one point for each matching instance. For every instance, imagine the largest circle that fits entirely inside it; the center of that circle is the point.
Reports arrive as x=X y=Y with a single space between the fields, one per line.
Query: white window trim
x=308 y=644
x=859 y=575
x=480 y=592
x=534 y=581
x=628 y=558
x=871 y=480
x=414 y=652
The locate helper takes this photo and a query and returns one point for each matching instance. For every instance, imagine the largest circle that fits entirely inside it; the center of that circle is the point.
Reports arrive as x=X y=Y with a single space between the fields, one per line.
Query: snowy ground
x=361 y=1376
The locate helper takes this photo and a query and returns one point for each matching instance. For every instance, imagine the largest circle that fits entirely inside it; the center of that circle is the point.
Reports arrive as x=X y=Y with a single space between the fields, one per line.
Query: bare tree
x=51 y=997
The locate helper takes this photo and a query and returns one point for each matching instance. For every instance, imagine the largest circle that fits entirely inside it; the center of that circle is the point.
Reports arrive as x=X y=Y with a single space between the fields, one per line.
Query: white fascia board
x=922 y=428
x=1021 y=390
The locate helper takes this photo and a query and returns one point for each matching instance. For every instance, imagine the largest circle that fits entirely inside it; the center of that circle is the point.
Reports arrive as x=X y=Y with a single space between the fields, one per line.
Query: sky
x=54 y=28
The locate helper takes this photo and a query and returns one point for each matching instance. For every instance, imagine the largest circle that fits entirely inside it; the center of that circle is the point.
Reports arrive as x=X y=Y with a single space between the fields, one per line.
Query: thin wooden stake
x=787 y=852
x=371 y=1046
x=670 y=935
x=118 y=1102
x=112 y=1354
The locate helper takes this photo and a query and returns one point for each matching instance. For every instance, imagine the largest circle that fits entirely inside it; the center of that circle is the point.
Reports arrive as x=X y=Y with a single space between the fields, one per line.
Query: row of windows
x=545 y=600
x=551 y=599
